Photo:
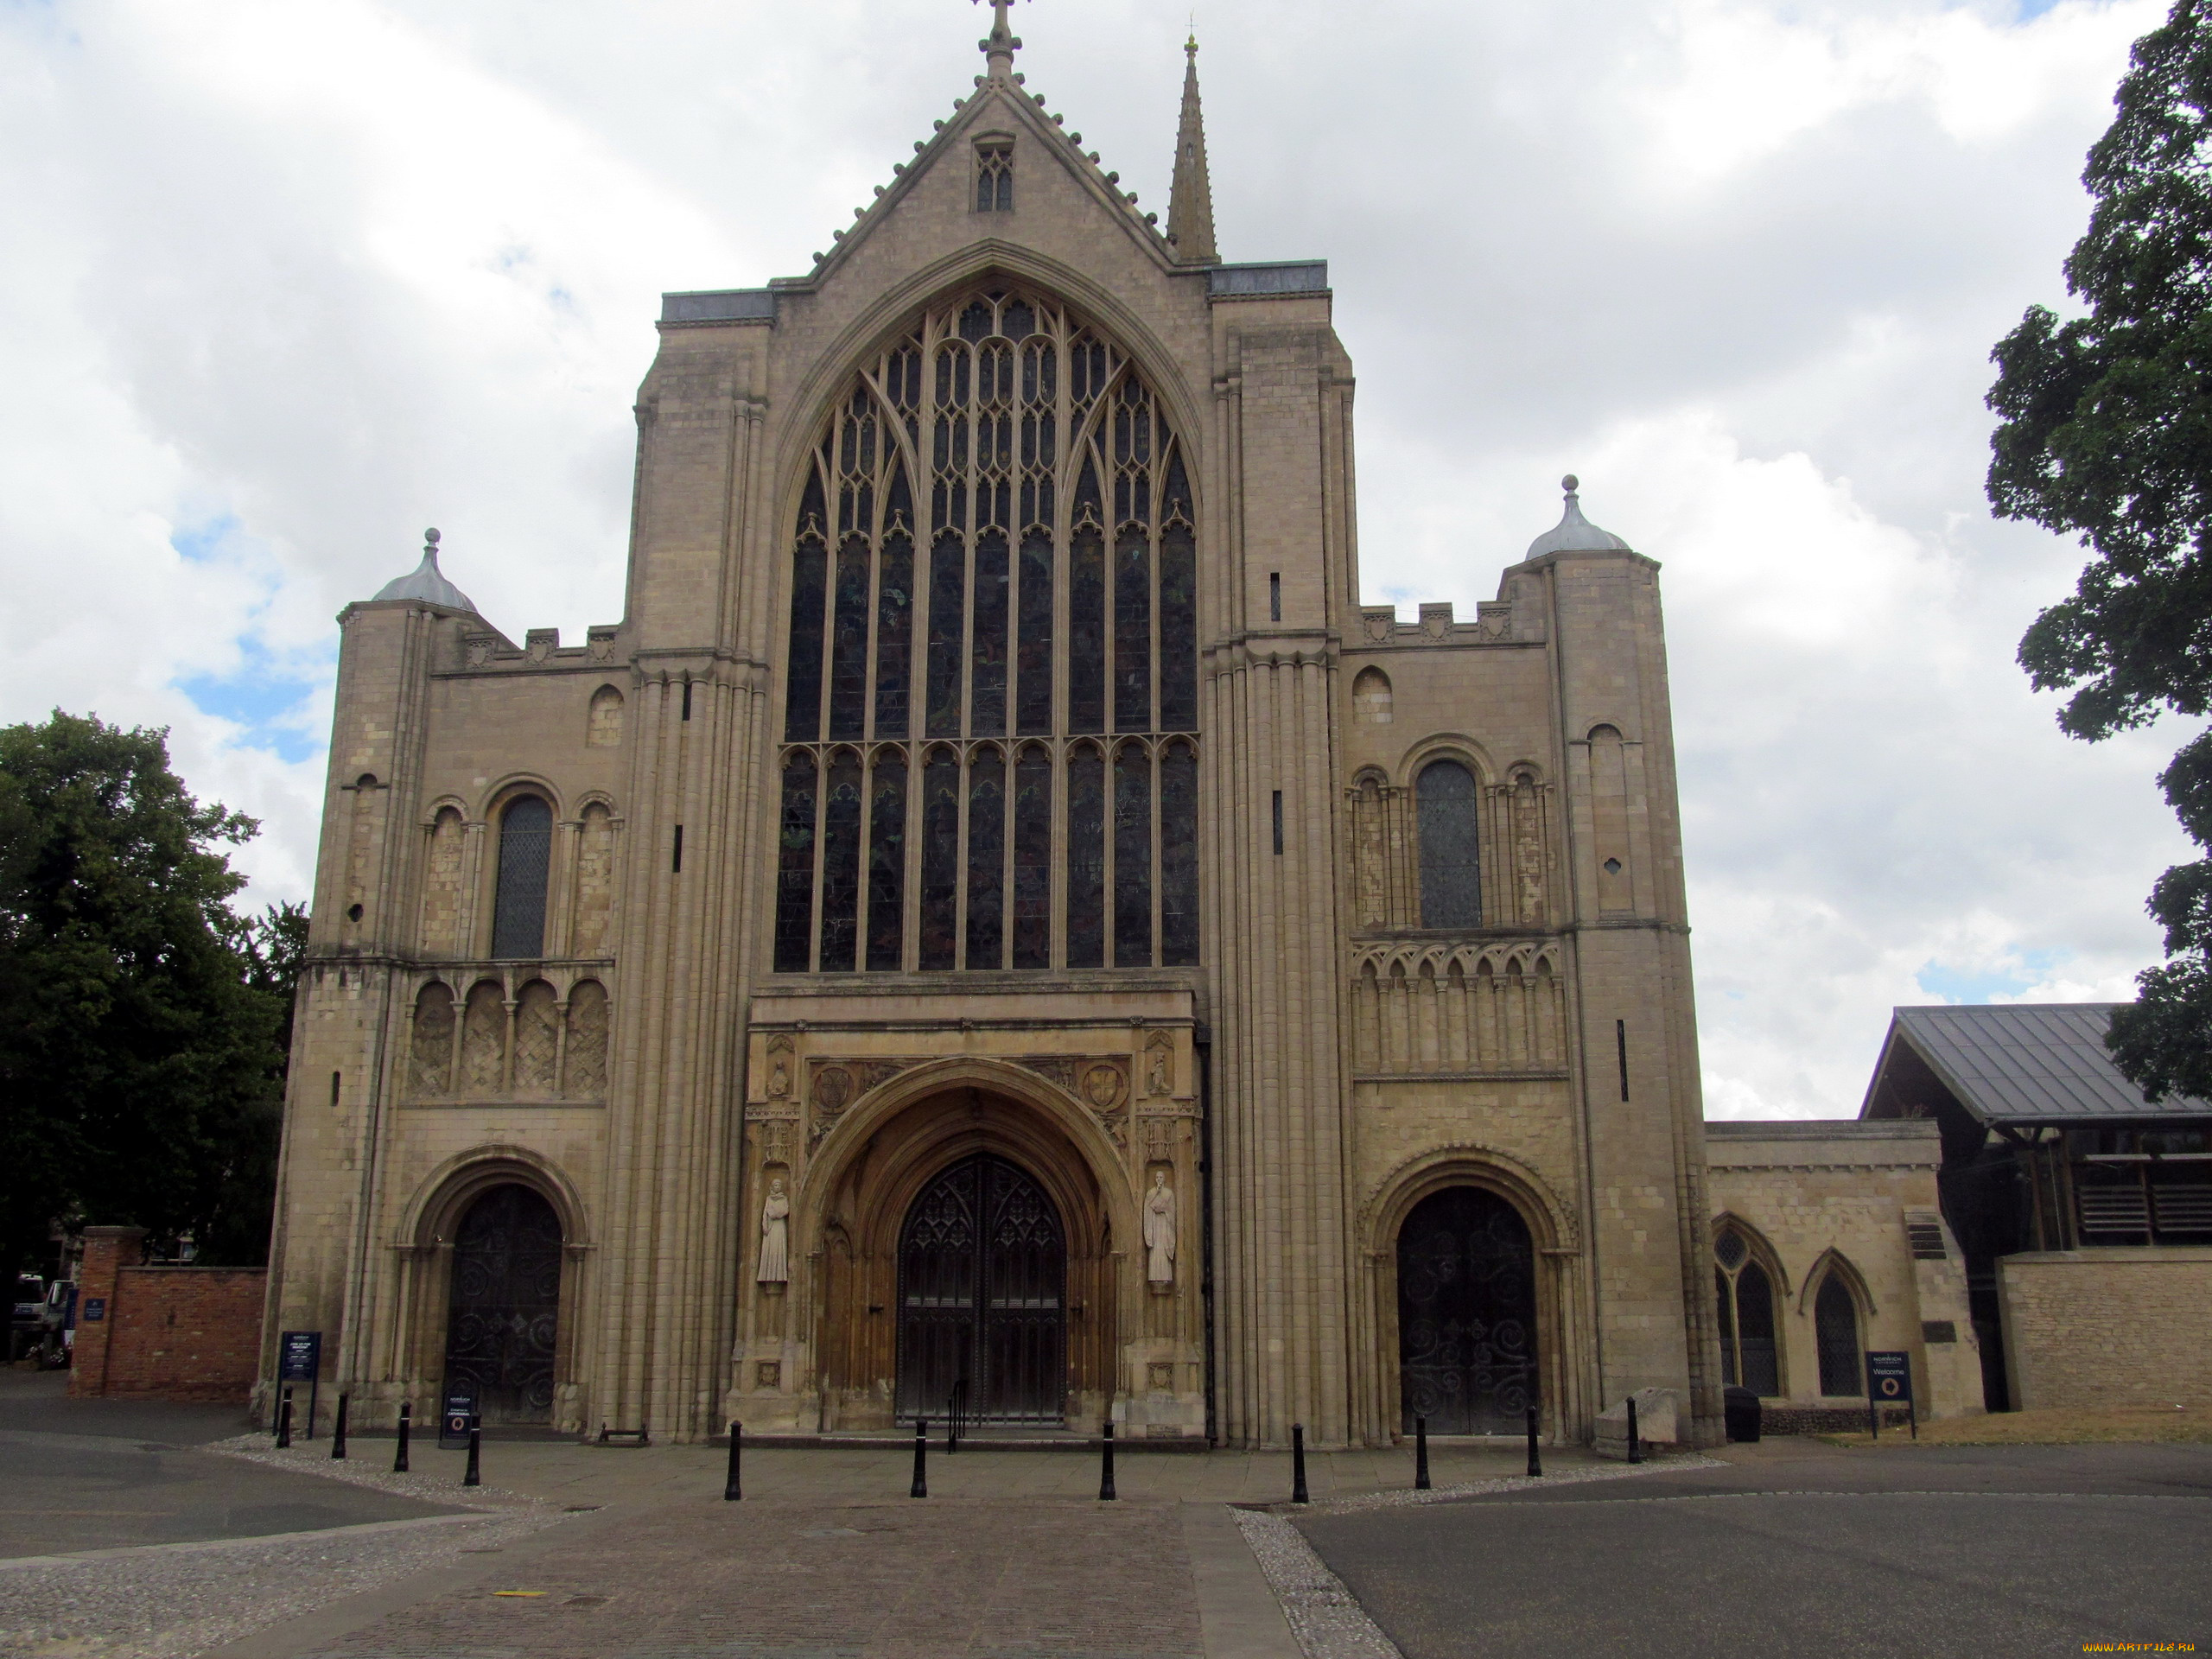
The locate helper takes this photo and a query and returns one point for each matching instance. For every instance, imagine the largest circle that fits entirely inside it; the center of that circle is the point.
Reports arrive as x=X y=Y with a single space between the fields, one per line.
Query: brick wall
x=164 y=1333
x=2107 y=1327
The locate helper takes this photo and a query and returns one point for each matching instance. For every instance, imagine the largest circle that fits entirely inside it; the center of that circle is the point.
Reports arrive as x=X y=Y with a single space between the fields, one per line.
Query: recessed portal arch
x=1466 y=1313
x=503 y=1304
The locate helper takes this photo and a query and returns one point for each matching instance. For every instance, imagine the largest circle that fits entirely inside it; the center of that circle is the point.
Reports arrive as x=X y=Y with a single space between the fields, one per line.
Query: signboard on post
x=458 y=1418
x=299 y=1360
x=1888 y=1383
x=299 y=1357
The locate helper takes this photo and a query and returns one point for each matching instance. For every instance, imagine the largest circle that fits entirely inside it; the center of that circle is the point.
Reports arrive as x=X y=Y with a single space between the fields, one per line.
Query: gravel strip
x=170 y=1601
x=1327 y=1622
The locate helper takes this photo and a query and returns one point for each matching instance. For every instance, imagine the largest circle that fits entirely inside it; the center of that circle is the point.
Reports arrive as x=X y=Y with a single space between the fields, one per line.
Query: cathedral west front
x=999 y=920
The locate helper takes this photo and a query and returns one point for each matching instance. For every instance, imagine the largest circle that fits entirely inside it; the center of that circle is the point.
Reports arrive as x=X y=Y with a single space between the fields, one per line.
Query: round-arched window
x=1451 y=846
x=525 y=852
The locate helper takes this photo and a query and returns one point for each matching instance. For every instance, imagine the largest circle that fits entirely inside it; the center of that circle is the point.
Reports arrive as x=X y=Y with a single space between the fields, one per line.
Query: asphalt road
x=101 y=1474
x=1798 y=1550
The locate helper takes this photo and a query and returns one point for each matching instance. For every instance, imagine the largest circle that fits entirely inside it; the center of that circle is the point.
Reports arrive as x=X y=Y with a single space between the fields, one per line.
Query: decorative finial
x=431 y=542
x=1570 y=483
x=999 y=45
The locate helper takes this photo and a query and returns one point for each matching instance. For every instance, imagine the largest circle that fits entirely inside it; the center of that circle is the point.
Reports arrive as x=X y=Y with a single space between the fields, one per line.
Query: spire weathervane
x=999 y=47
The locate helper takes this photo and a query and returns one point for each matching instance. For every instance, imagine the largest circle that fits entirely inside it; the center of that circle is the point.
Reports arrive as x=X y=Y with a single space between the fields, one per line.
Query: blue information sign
x=299 y=1357
x=95 y=1309
x=1888 y=1383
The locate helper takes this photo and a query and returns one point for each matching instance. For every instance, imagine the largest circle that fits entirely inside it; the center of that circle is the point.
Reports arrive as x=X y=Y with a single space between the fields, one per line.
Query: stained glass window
x=886 y=864
x=795 y=867
x=1179 y=856
x=1133 y=857
x=841 y=862
x=986 y=860
x=525 y=850
x=996 y=538
x=1451 y=849
x=1032 y=858
x=1086 y=859
x=940 y=859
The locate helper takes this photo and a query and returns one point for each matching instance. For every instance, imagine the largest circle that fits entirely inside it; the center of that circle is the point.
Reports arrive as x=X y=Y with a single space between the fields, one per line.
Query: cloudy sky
x=284 y=281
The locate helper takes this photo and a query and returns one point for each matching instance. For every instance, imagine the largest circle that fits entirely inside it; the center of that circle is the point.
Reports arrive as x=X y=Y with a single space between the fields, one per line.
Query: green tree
x=140 y=1057
x=2107 y=434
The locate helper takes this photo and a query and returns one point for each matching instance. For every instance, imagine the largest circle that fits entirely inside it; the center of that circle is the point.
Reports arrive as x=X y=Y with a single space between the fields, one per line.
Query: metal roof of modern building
x=2026 y=1063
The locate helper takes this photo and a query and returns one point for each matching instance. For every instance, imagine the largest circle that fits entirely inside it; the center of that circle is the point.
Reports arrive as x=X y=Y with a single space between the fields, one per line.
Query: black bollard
x=1635 y=1447
x=1421 y=1454
x=399 y=1459
x=338 y=1435
x=921 y=1486
x=284 y=1422
x=474 y=1476
x=1535 y=1462
x=731 y=1491
x=1106 y=1465
x=1298 y=1463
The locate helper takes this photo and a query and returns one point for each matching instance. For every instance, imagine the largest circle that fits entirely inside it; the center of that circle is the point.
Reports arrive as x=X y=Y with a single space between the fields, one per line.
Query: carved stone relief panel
x=835 y=1084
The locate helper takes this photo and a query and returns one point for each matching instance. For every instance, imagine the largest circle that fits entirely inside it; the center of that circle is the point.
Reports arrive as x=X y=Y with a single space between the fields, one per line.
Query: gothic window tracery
x=995 y=175
x=1749 y=1355
x=995 y=557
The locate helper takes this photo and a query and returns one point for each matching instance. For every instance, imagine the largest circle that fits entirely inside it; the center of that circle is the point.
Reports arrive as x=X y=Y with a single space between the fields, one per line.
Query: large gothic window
x=990 y=755
x=1748 y=1354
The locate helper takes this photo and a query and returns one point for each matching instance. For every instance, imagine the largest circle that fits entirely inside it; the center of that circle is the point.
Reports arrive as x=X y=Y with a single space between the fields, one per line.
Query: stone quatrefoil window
x=991 y=693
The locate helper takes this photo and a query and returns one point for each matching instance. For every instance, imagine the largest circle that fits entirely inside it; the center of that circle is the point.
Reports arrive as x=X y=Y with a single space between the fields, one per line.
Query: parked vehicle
x=23 y=1319
x=57 y=1332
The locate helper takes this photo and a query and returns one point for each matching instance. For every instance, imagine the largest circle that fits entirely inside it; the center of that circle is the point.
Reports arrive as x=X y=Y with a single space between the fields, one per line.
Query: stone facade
x=2114 y=1326
x=1311 y=1020
x=1854 y=1201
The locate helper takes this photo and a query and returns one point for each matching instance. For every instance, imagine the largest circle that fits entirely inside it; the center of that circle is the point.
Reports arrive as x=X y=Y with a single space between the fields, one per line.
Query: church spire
x=999 y=47
x=1189 y=199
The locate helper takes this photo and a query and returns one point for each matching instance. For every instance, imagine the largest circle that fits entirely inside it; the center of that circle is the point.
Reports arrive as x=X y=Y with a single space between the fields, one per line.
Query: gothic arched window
x=1451 y=851
x=1748 y=1354
x=525 y=852
x=1835 y=1327
x=995 y=541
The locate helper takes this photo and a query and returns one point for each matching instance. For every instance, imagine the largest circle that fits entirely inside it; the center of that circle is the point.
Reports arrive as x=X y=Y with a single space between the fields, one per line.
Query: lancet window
x=990 y=752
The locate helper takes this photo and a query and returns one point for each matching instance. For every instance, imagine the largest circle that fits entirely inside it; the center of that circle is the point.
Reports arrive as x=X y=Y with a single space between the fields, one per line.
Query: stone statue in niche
x=1160 y=1078
x=1159 y=1233
x=779 y=1079
x=775 y=1236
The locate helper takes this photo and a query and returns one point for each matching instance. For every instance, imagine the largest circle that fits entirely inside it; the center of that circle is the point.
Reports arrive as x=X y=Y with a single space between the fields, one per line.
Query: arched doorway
x=982 y=1276
x=1466 y=1314
x=505 y=1304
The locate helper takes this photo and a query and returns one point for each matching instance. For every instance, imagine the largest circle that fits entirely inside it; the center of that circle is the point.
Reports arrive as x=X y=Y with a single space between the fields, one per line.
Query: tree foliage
x=2107 y=434
x=142 y=1055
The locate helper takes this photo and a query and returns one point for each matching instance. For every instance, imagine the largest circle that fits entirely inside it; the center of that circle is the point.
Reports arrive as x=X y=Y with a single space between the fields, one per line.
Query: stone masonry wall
x=165 y=1333
x=2107 y=1327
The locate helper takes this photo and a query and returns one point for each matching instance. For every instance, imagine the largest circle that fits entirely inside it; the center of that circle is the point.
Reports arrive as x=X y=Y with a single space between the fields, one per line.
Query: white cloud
x=284 y=284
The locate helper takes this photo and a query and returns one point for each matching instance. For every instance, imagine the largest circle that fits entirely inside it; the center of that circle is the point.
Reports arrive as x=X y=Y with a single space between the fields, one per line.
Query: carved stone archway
x=863 y=1180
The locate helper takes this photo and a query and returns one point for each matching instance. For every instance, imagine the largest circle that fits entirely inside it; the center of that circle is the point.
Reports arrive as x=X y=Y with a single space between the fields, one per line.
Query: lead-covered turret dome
x=1573 y=533
x=427 y=583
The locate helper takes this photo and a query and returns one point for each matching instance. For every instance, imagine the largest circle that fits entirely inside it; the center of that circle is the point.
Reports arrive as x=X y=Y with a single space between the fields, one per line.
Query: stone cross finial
x=999 y=45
